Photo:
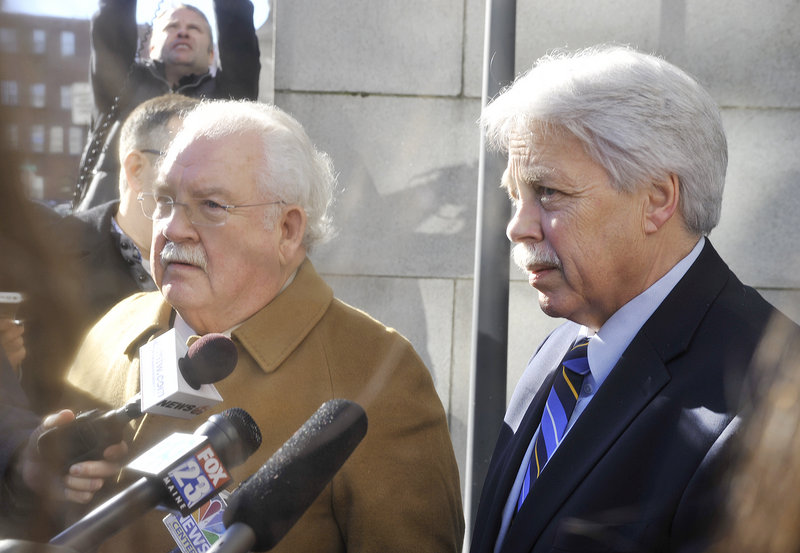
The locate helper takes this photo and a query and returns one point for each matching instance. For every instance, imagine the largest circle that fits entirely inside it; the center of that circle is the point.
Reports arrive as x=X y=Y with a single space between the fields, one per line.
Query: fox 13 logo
x=196 y=479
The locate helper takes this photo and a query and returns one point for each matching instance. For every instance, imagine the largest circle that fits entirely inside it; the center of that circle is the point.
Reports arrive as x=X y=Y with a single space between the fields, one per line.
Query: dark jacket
x=106 y=273
x=637 y=471
x=114 y=73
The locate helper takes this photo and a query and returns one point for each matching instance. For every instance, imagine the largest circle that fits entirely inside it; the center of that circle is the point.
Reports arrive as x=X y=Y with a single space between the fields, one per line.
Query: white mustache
x=526 y=256
x=183 y=253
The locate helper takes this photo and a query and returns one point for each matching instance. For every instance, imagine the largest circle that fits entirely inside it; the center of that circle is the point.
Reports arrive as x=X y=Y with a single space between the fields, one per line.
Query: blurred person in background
x=34 y=499
x=763 y=506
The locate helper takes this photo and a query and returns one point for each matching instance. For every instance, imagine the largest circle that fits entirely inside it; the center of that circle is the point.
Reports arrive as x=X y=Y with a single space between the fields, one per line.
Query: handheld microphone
x=266 y=506
x=180 y=472
x=210 y=359
x=169 y=387
x=86 y=437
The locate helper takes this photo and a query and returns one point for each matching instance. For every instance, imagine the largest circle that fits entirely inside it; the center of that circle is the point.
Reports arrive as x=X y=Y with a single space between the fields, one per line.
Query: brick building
x=44 y=66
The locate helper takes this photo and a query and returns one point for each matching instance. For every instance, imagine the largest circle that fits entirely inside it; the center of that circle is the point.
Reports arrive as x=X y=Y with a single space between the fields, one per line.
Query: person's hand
x=83 y=479
x=11 y=341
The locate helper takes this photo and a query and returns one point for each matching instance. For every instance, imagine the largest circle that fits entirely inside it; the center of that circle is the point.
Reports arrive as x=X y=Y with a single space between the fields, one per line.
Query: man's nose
x=526 y=223
x=178 y=226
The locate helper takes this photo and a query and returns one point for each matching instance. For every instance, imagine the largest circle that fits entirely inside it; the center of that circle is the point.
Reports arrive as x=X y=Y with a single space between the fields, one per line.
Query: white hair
x=637 y=115
x=291 y=167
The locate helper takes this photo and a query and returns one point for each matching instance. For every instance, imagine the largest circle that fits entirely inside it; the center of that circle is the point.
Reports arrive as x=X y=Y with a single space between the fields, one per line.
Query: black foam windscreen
x=233 y=433
x=277 y=495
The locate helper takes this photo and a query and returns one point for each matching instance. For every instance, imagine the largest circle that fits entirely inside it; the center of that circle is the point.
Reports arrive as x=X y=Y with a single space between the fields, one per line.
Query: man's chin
x=178 y=292
x=550 y=306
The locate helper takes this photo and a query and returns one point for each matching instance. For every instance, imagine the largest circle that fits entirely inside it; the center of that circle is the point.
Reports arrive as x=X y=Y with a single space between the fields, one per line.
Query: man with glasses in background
x=113 y=239
x=241 y=198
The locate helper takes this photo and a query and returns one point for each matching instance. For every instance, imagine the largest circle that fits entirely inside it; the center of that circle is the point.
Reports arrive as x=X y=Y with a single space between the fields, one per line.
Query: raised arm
x=114 y=40
x=238 y=50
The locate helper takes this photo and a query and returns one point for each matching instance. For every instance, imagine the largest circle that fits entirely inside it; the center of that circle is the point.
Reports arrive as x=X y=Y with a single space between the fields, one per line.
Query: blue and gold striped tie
x=560 y=405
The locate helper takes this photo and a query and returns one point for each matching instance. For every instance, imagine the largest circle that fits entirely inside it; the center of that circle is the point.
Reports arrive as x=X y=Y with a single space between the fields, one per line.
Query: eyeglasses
x=203 y=212
x=151 y=151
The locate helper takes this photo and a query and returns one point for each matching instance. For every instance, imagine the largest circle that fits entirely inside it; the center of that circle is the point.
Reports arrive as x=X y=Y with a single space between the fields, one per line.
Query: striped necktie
x=560 y=405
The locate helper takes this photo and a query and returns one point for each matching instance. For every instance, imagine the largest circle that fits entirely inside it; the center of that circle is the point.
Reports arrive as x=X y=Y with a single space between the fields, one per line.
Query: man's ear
x=292 y=228
x=134 y=165
x=662 y=202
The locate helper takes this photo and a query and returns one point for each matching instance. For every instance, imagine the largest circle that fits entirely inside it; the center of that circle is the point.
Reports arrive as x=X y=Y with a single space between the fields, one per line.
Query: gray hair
x=637 y=115
x=291 y=167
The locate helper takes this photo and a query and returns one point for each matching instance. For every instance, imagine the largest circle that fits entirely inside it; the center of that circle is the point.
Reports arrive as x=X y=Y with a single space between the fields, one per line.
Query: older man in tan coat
x=241 y=198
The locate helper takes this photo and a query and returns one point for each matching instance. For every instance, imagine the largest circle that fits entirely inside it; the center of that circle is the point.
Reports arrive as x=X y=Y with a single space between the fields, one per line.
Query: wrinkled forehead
x=528 y=148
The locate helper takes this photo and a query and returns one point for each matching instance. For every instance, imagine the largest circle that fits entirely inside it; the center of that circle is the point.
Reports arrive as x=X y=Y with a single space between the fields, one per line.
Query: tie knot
x=576 y=359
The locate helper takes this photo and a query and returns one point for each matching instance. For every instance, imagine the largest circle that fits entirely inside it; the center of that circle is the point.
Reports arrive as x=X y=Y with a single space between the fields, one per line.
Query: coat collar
x=151 y=317
x=275 y=331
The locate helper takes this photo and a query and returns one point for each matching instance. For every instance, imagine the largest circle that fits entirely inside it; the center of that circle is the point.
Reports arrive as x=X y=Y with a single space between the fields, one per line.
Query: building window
x=12 y=136
x=56 y=140
x=37 y=138
x=66 y=96
x=9 y=93
x=8 y=40
x=75 y=141
x=39 y=41
x=67 y=43
x=38 y=92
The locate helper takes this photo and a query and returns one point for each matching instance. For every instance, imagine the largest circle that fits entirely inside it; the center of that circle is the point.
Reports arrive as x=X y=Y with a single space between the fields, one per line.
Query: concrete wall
x=391 y=90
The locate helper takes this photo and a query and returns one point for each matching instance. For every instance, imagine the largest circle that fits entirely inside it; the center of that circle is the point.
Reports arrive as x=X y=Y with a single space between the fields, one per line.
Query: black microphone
x=210 y=359
x=181 y=472
x=266 y=506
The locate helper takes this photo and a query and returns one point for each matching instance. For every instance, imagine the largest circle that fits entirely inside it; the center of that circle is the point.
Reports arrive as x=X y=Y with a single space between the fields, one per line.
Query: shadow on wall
x=387 y=243
x=427 y=229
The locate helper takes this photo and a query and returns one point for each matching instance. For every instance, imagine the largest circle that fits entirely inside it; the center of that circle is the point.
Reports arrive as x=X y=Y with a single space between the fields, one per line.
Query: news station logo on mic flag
x=196 y=479
x=197 y=532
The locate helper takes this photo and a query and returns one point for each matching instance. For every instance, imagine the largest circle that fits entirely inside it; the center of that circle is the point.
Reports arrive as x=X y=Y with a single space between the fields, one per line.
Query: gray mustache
x=181 y=253
x=526 y=256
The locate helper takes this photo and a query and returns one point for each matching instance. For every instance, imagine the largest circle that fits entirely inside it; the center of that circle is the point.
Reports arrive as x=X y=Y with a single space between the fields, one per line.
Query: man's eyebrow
x=535 y=173
x=209 y=191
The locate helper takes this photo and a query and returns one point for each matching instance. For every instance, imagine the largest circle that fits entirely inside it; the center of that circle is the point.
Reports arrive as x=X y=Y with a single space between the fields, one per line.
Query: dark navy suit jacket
x=638 y=470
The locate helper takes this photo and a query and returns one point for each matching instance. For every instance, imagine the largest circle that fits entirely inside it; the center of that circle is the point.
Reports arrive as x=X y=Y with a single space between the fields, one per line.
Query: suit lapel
x=633 y=383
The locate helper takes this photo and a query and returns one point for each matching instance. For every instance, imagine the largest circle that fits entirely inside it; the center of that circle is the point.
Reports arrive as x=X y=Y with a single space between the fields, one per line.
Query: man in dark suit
x=616 y=166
